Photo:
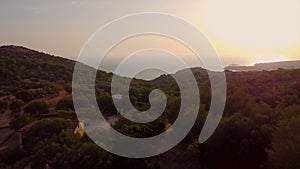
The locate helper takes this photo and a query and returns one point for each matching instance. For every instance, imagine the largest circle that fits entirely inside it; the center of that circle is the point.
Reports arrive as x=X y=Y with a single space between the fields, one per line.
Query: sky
x=243 y=32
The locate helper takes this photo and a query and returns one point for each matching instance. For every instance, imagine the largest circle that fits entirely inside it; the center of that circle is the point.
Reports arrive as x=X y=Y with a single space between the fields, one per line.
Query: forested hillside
x=39 y=128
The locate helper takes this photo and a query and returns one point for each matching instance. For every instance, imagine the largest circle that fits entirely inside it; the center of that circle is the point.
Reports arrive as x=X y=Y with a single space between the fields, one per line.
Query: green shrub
x=16 y=104
x=37 y=107
x=65 y=104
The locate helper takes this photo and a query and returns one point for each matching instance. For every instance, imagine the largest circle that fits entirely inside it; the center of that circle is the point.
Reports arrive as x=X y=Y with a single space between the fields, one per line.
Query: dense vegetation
x=260 y=128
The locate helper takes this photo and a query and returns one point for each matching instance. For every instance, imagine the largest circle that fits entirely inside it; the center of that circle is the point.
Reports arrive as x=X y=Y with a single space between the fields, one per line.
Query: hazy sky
x=242 y=31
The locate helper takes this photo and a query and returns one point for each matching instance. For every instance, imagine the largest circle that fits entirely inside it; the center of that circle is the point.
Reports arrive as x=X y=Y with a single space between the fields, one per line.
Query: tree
x=47 y=128
x=91 y=156
x=51 y=151
x=67 y=114
x=132 y=163
x=67 y=151
x=65 y=104
x=11 y=156
x=68 y=88
x=285 y=152
x=45 y=152
x=140 y=130
x=237 y=143
x=37 y=107
x=20 y=121
x=106 y=105
x=24 y=95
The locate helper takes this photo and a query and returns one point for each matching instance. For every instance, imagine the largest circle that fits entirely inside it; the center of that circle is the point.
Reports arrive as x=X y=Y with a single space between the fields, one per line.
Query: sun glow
x=256 y=23
x=268 y=30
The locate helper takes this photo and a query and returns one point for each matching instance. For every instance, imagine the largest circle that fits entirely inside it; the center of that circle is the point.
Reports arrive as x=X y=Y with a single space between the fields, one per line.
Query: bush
x=37 y=94
x=37 y=107
x=68 y=88
x=21 y=121
x=65 y=104
x=16 y=104
x=11 y=156
x=67 y=114
x=24 y=95
x=47 y=128
x=286 y=145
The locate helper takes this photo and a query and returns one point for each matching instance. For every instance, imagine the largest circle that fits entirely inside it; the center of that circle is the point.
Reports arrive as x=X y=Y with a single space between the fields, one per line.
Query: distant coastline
x=265 y=66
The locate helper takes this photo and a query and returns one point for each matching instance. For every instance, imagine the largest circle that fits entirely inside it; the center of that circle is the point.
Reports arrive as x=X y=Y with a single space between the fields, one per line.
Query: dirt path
x=5 y=118
x=52 y=100
x=6 y=137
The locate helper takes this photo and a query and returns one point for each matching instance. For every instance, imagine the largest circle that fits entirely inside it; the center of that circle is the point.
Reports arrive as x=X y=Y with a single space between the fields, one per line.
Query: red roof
x=26 y=127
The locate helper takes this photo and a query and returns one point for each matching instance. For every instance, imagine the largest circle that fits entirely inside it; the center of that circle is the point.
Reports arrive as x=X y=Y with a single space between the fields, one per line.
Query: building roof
x=26 y=127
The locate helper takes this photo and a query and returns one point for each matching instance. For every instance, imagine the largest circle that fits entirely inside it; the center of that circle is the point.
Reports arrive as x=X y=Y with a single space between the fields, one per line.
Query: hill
x=262 y=110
